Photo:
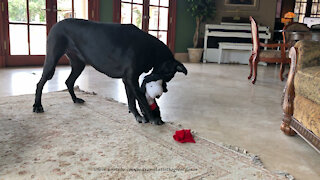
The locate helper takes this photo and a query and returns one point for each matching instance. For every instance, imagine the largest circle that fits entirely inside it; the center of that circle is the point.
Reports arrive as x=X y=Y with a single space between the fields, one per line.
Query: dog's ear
x=180 y=68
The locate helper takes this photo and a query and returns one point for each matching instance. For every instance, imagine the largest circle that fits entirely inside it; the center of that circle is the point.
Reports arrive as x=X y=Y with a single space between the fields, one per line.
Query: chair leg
x=255 y=68
x=250 y=64
x=282 y=68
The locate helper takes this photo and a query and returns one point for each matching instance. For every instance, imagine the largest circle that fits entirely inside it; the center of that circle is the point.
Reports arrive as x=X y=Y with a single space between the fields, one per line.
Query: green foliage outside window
x=18 y=10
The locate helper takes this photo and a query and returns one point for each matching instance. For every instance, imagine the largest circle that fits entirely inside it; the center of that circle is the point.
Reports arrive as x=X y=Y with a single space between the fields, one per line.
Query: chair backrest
x=293 y=27
x=255 y=35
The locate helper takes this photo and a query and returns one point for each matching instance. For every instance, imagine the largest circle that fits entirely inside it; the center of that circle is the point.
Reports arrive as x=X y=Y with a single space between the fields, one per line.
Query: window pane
x=153 y=21
x=301 y=17
x=297 y=8
x=125 y=13
x=137 y=15
x=64 y=9
x=164 y=3
x=163 y=37
x=303 y=8
x=163 y=23
x=38 y=37
x=18 y=39
x=126 y=0
x=138 y=1
x=154 y=33
x=154 y=2
x=37 y=12
x=314 y=8
x=17 y=10
x=318 y=8
x=81 y=9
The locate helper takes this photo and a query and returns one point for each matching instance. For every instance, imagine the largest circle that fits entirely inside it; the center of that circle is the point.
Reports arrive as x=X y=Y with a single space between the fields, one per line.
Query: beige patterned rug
x=101 y=140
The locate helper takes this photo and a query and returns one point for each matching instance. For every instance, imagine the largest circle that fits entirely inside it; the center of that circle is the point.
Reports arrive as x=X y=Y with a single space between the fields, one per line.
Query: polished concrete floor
x=217 y=101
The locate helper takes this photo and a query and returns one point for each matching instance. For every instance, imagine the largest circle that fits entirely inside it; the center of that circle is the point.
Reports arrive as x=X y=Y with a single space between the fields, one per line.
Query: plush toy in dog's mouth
x=153 y=88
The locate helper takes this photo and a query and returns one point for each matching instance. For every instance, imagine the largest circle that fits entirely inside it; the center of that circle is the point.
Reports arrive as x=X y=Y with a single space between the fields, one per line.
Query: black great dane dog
x=117 y=50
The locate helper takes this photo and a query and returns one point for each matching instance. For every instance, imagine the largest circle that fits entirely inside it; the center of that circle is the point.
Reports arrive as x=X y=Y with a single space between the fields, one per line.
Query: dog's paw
x=38 y=108
x=157 y=121
x=78 y=101
x=141 y=119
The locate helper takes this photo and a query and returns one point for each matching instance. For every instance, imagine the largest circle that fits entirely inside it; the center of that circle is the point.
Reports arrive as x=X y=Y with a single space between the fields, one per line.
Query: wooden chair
x=269 y=56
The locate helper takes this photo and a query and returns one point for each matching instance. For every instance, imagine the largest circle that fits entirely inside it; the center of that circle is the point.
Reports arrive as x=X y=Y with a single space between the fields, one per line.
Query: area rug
x=101 y=140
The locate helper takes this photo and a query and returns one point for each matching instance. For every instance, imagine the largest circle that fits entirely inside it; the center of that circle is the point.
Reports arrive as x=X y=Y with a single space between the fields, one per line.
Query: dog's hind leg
x=37 y=106
x=47 y=74
x=54 y=52
x=77 y=67
x=132 y=105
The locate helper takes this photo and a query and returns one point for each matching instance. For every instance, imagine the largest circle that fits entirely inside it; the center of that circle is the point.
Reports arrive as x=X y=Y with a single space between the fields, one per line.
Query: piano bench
x=233 y=46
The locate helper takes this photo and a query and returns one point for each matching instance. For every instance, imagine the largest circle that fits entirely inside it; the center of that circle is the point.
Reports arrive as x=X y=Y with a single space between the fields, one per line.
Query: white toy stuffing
x=154 y=90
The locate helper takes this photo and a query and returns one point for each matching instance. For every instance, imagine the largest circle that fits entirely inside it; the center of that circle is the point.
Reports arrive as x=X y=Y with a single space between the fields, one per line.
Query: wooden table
x=295 y=36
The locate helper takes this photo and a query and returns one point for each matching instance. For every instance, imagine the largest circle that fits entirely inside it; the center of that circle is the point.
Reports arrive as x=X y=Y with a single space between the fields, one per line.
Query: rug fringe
x=241 y=151
x=254 y=158
x=77 y=88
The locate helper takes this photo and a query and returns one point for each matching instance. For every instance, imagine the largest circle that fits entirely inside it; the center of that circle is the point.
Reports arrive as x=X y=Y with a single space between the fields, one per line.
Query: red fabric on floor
x=183 y=136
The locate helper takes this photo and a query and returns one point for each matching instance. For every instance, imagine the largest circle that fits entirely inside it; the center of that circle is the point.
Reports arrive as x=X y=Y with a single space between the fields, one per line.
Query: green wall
x=185 y=24
x=185 y=27
x=106 y=10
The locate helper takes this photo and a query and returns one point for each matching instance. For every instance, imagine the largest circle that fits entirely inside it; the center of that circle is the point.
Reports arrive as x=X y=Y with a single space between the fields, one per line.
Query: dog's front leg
x=134 y=88
x=132 y=105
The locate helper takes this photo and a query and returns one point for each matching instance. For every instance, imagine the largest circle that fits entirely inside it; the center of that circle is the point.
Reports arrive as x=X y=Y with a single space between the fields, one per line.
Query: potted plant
x=201 y=10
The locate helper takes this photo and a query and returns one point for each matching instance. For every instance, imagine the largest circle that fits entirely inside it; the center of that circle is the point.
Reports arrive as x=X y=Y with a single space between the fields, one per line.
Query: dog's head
x=168 y=69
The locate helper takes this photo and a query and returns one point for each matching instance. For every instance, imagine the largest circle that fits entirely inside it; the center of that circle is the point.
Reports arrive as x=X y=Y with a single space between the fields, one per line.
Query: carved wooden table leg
x=289 y=95
x=285 y=125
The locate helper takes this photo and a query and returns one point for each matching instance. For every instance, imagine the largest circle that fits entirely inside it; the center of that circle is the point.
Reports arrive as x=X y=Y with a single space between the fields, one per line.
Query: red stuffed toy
x=183 y=136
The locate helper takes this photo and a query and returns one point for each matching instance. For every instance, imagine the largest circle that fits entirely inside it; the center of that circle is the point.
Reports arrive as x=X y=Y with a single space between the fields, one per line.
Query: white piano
x=230 y=42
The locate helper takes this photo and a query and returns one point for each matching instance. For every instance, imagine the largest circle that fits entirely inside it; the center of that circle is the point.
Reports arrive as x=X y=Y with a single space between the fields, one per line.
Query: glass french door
x=27 y=23
x=27 y=27
x=157 y=17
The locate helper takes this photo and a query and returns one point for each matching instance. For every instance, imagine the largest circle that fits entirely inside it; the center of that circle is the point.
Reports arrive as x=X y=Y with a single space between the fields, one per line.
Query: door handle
x=55 y=8
x=46 y=9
